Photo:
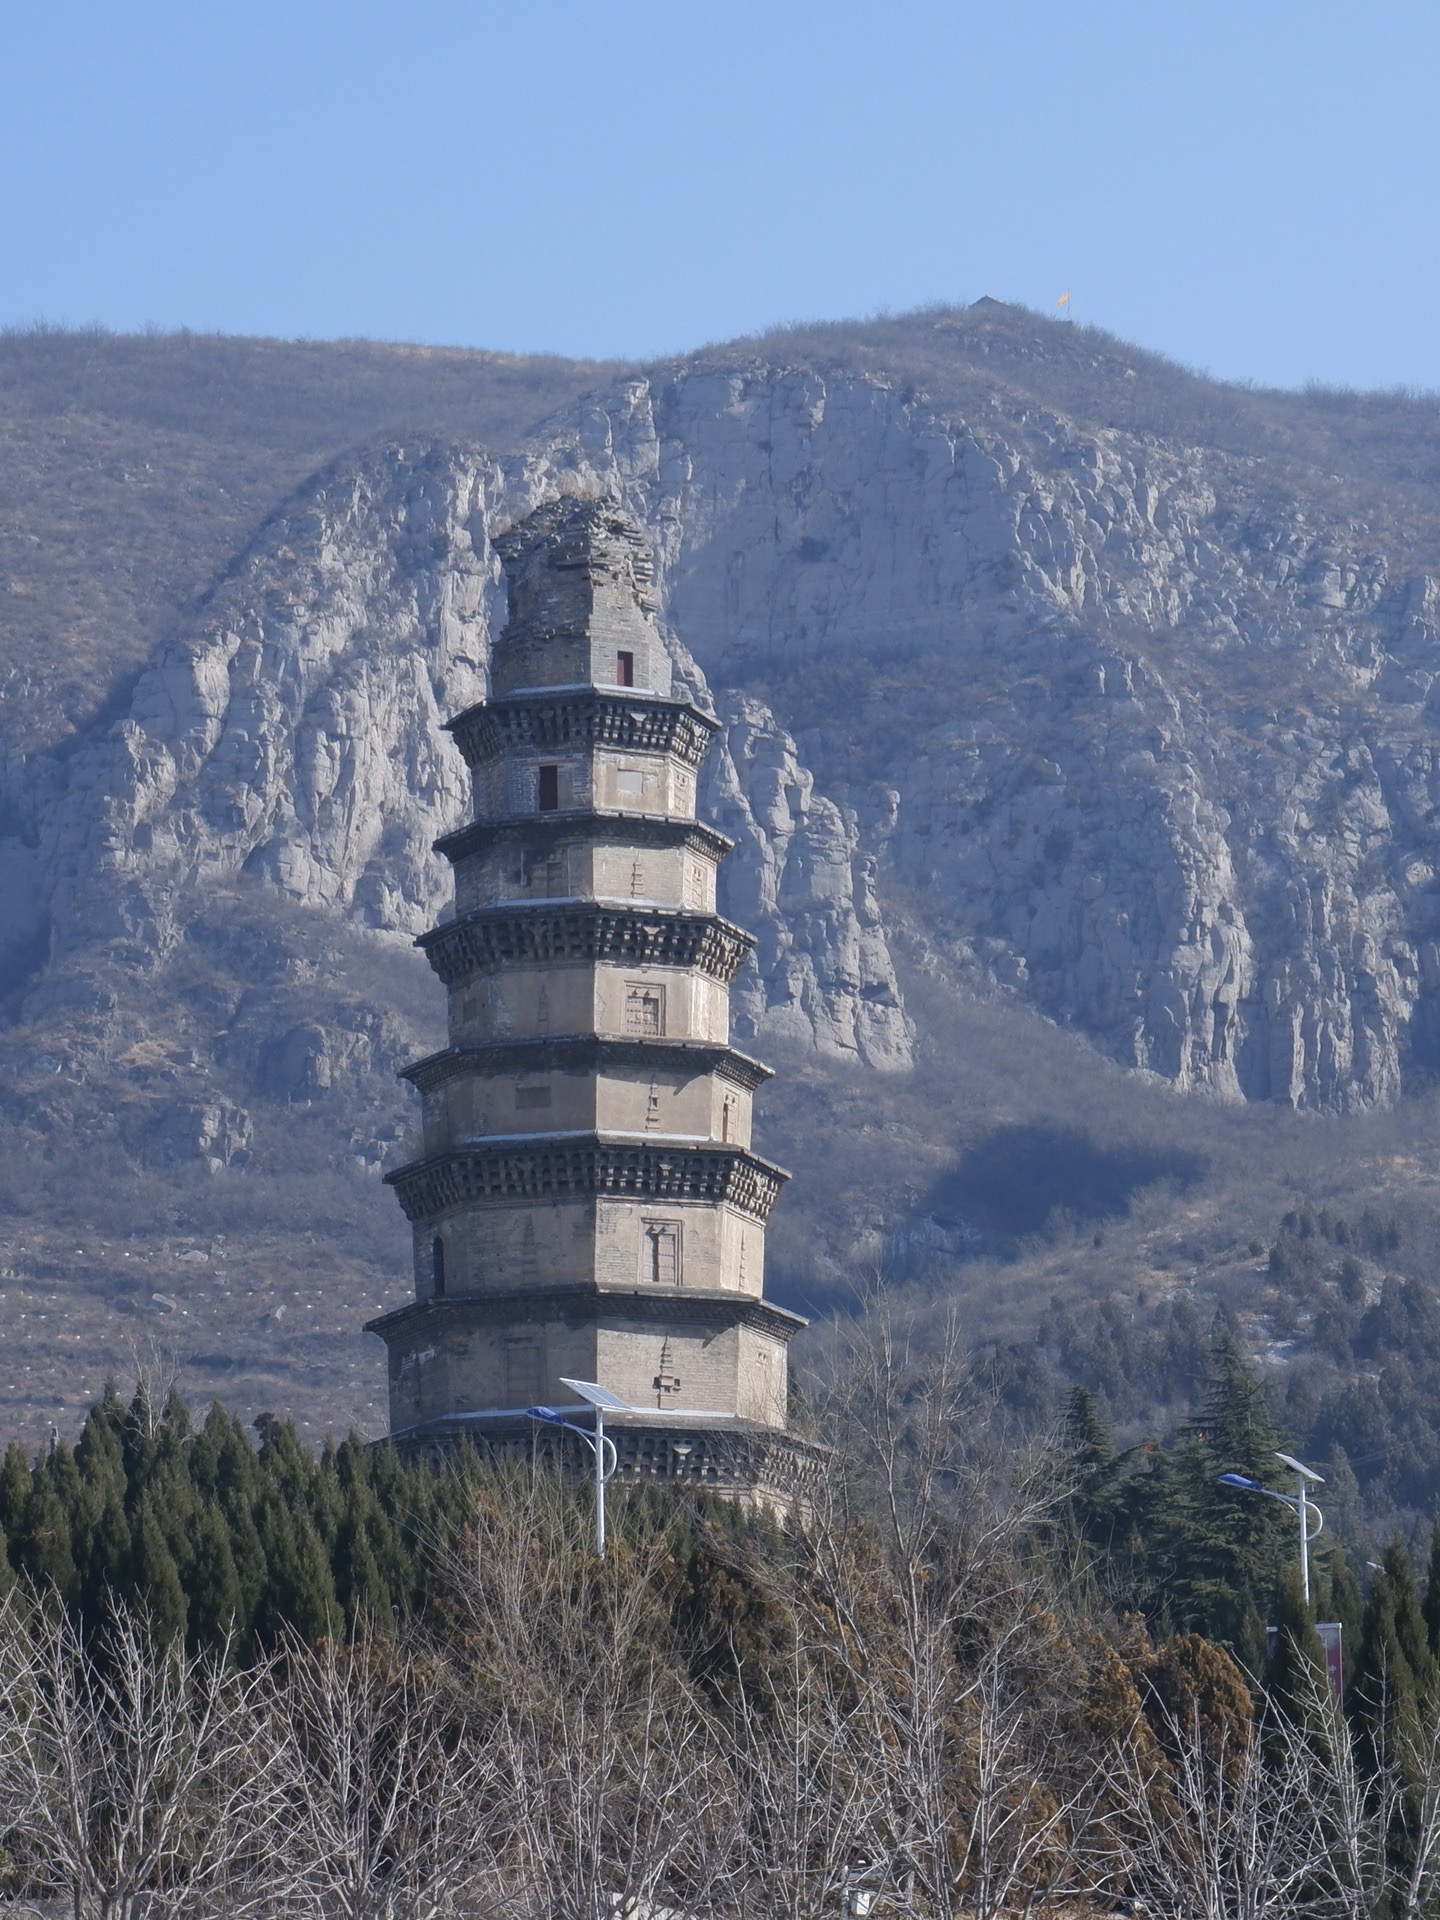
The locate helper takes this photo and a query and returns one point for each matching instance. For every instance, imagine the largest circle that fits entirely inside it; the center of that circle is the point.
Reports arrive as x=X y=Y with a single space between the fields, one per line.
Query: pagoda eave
x=560 y=719
x=682 y=1306
x=581 y=1051
x=586 y=932
x=537 y=831
x=584 y=1166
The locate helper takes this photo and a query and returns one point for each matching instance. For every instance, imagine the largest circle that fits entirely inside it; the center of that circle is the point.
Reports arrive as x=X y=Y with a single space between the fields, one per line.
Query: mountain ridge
x=1084 y=725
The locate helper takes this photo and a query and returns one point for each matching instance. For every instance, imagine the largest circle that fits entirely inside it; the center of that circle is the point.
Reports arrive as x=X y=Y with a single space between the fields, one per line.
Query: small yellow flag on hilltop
x=1064 y=299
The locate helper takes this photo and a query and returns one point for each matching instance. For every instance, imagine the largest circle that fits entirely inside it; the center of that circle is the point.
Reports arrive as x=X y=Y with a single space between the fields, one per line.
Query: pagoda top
x=582 y=603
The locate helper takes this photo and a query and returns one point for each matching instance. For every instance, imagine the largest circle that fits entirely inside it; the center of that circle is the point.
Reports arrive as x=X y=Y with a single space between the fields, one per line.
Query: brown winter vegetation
x=911 y=1703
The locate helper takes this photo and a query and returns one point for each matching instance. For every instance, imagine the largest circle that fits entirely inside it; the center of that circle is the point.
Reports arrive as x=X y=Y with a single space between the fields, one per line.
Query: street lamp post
x=1299 y=1503
x=603 y=1401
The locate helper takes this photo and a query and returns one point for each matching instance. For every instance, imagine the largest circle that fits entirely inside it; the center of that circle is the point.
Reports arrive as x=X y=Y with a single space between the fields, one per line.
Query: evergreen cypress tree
x=299 y=1587
x=1395 y=1670
x=1432 y=1588
x=64 y=1476
x=154 y=1579
x=7 y=1572
x=105 y=1568
x=373 y=1570
x=101 y=1448
x=102 y=1545
x=327 y=1502
x=80 y=1507
x=1295 y=1673
x=14 y=1489
x=215 y=1607
x=43 y=1542
x=1338 y=1597
x=360 y=1586
x=174 y=1499
x=388 y=1478
x=285 y=1463
x=1410 y=1628
x=140 y=1439
x=224 y=1464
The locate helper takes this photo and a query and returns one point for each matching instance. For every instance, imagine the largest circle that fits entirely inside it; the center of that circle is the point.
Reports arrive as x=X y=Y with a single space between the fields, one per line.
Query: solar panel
x=597 y=1396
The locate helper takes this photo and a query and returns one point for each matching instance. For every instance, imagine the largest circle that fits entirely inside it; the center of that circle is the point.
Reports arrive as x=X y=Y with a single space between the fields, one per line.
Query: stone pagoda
x=587 y=1203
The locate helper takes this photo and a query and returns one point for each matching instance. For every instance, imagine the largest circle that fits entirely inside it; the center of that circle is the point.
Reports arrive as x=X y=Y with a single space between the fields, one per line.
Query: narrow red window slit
x=624 y=669
x=549 y=789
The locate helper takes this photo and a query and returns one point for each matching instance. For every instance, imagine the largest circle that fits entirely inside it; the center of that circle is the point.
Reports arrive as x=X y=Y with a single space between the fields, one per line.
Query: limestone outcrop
x=1128 y=732
x=1093 y=718
x=293 y=737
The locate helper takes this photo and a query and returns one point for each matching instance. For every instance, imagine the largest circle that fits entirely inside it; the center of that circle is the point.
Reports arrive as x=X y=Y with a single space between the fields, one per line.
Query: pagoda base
x=762 y=1467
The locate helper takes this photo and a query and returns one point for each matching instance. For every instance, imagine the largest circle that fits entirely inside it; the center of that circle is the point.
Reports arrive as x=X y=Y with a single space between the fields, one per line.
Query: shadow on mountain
x=1021 y=1181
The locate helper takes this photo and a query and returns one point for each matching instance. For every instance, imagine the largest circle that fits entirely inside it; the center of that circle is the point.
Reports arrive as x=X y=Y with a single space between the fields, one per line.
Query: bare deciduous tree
x=1226 y=1834
x=378 y=1788
x=128 y=1771
x=610 y=1784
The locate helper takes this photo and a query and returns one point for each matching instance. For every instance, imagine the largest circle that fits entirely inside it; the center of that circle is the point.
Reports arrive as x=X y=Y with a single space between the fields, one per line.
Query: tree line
x=215 y=1538
x=985 y=1672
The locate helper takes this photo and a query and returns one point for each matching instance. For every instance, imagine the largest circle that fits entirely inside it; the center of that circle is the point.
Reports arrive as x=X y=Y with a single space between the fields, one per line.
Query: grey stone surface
x=1089 y=717
x=295 y=735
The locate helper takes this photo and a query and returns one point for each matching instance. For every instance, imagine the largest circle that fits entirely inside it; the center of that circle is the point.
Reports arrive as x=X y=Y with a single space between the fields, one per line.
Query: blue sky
x=1250 y=188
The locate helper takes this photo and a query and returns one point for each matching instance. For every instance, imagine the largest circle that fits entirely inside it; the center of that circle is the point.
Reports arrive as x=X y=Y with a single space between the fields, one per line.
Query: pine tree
x=1235 y=1419
x=1095 y=1504
x=1242 y=1543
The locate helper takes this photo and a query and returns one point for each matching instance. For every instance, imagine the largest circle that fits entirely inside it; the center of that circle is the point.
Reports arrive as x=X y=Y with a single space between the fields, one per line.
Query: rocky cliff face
x=1092 y=719
x=292 y=740
x=1105 y=724
x=1126 y=729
